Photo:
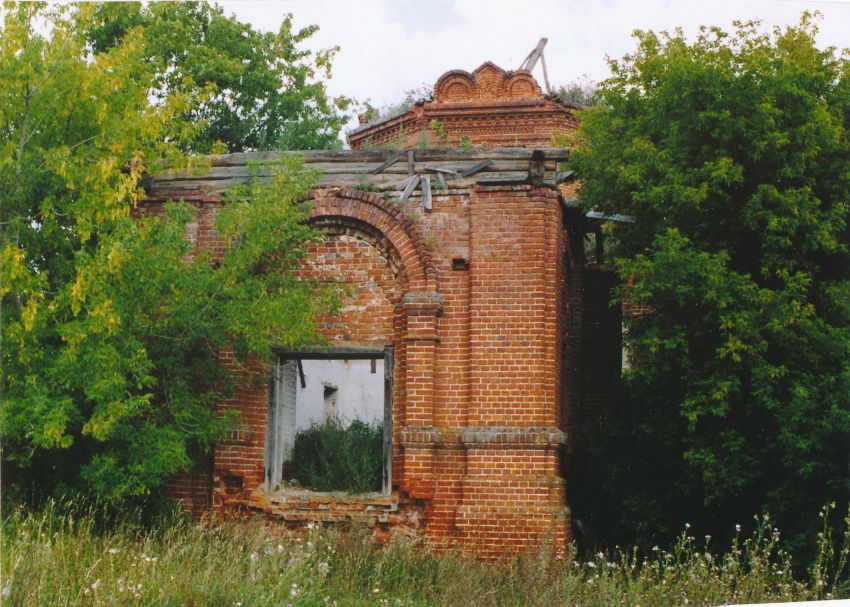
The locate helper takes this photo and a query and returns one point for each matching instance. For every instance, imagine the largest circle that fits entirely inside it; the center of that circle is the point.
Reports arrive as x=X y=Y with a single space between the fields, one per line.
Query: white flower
x=114 y=550
x=95 y=584
x=738 y=528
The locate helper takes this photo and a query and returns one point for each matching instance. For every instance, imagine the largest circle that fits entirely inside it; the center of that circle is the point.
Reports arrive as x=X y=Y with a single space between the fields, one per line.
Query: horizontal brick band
x=483 y=437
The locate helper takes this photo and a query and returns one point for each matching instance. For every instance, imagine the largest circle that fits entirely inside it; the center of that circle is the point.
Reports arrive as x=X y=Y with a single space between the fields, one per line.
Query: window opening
x=329 y=424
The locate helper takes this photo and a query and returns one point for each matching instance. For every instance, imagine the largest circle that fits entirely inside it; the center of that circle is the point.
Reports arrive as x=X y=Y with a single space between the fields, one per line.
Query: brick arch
x=455 y=85
x=522 y=84
x=378 y=219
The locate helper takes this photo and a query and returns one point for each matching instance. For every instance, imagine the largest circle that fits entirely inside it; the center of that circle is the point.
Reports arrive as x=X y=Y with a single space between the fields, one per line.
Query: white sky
x=391 y=46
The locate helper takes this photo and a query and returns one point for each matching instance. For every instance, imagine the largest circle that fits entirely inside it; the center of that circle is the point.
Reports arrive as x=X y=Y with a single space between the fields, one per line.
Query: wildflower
x=655 y=548
x=114 y=550
x=738 y=528
x=254 y=556
x=279 y=548
x=376 y=590
x=591 y=564
x=95 y=584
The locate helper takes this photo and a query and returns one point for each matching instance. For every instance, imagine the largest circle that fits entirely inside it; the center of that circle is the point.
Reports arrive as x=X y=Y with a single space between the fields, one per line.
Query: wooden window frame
x=343 y=353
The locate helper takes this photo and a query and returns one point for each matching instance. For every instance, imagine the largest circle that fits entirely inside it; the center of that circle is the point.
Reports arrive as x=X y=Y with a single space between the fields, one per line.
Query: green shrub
x=330 y=457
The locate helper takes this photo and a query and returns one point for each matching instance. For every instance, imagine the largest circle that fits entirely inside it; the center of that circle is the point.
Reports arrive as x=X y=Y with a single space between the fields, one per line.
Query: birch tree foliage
x=111 y=324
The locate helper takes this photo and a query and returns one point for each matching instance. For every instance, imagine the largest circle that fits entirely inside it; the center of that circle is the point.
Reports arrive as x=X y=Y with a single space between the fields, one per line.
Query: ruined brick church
x=475 y=328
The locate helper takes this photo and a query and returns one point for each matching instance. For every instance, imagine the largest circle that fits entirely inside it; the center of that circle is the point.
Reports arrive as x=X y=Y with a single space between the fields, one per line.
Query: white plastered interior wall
x=359 y=392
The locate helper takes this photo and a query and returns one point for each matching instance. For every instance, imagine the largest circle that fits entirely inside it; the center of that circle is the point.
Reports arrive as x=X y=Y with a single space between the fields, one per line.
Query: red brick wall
x=494 y=322
x=488 y=107
x=470 y=294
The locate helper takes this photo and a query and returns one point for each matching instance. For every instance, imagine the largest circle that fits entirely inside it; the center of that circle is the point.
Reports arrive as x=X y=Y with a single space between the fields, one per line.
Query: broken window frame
x=347 y=353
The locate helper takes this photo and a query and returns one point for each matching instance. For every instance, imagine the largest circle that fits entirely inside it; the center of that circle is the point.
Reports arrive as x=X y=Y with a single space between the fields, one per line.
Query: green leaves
x=732 y=153
x=112 y=324
x=254 y=90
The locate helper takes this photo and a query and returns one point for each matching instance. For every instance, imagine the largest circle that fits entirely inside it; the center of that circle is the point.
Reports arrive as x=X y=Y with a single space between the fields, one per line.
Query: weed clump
x=333 y=457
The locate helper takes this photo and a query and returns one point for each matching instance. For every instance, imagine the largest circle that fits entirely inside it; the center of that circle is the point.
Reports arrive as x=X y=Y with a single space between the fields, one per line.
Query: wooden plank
x=534 y=55
x=616 y=217
x=333 y=353
x=378 y=156
x=503 y=180
x=563 y=176
x=301 y=374
x=389 y=162
x=478 y=166
x=451 y=168
x=442 y=180
x=440 y=170
x=426 y=191
x=411 y=185
x=410 y=160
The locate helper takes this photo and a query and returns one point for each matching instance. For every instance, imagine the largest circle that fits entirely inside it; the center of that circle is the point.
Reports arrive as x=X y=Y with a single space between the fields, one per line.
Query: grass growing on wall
x=333 y=457
x=61 y=557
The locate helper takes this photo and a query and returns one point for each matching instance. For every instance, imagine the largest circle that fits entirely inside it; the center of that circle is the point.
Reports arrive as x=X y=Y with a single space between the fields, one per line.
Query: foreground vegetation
x=59 y=557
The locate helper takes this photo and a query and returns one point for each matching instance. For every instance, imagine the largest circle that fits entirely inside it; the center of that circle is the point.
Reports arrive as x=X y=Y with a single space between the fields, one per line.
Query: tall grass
x=59 y=557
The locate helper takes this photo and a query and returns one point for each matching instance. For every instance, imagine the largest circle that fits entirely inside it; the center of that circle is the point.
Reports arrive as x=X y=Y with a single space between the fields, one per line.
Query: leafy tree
x=581 y=91
x=111 y=325
x=732 y=154
x=264 y=92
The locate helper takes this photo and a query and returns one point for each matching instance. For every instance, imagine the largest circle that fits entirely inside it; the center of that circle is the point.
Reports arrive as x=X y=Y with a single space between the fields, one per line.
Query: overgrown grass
x=333 y=457
x=58 y=557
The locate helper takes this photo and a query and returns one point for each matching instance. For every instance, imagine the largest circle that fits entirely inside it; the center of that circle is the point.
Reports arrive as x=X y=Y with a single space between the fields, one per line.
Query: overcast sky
x=390 y=46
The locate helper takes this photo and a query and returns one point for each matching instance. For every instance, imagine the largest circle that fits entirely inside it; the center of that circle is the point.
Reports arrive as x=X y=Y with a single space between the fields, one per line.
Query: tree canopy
x=111 y=324
x=732 y=154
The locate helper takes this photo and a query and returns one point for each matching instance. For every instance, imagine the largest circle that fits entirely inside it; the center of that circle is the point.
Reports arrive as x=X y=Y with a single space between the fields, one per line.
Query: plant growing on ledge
x=333 y=457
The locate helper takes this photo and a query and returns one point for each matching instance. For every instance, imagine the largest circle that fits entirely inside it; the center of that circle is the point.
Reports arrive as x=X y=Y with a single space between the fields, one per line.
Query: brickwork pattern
x=488 y=107
x=485 y=300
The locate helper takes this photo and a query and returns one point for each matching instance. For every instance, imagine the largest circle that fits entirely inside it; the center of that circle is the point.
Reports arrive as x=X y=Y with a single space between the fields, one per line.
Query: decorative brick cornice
x=468 y=105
